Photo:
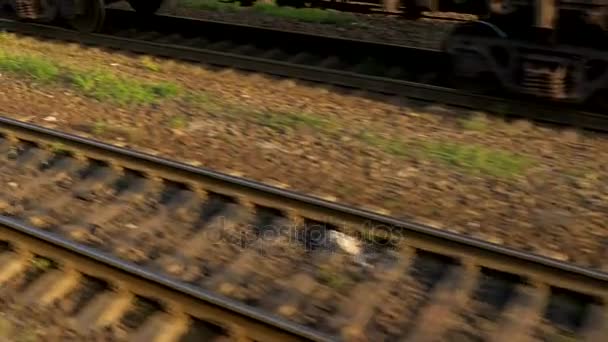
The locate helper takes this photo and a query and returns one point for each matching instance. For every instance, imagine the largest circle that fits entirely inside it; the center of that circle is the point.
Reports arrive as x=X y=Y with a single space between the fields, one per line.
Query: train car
x=552 y=49
x=83 y=15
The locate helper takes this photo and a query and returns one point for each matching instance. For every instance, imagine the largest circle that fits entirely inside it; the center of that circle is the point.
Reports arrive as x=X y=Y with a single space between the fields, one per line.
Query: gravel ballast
x=534 y=188
x=391 y=29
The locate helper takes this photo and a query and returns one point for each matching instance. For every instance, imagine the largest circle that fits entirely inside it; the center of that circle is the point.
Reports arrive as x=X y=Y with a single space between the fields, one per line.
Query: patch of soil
x=351 y=148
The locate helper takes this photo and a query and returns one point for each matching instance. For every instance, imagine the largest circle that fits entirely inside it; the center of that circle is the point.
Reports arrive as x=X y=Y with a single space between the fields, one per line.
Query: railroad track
x=246 y=260
x=386 y=69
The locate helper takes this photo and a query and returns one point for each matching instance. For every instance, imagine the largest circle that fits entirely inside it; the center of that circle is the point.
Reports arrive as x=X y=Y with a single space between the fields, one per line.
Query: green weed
x=106 y=86
x=102 y=85
x=34 y=67
x=211 y=105
x=198 y=97
x=477 y=159
x=99 y=127
x=178 y=122
x=391 y=146
x=149 y=64
x=477 y=122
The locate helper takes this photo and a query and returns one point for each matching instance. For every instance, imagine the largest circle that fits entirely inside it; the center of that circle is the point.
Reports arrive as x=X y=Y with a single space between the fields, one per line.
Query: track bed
x=323 y=267
x=427 y=32
x=282 y=133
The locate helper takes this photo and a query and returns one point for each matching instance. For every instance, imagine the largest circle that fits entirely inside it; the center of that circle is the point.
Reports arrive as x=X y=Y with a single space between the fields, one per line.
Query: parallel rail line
x=373 y=67
x=181 y=304
x=73 y=200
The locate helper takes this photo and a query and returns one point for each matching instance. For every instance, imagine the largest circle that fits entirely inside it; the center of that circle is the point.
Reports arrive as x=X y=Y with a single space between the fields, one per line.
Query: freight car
x=552 y=49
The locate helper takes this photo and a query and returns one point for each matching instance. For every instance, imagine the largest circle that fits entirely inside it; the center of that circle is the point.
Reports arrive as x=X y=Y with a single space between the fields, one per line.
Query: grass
x=111 y=87
x=149 y=64
x=208 y=103
x=393 y=147
x=471 y=158
x=311 y=15
x=178 y=122
x=34 y=67
x=106 y=86
x=477 y=159
x=278 y=121
x=477 y=122
x=101 y=85
x=99 y=128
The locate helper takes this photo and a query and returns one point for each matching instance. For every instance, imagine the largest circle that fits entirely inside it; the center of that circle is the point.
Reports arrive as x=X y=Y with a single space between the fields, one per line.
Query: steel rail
x=311 y=207
x=425 y=59
x=282 y=329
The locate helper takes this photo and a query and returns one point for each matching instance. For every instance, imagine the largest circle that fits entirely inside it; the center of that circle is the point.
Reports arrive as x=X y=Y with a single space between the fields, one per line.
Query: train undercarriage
x=549 y=49
x=83 y=15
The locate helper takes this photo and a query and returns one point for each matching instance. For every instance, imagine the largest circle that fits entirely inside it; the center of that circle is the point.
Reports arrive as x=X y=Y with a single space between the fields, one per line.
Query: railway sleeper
x=228 y=211
x=172 y=319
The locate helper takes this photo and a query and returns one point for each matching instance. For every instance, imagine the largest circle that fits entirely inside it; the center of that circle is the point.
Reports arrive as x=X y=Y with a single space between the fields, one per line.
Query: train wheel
x=146 y=7
x=465 y=65
x=91 y=17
